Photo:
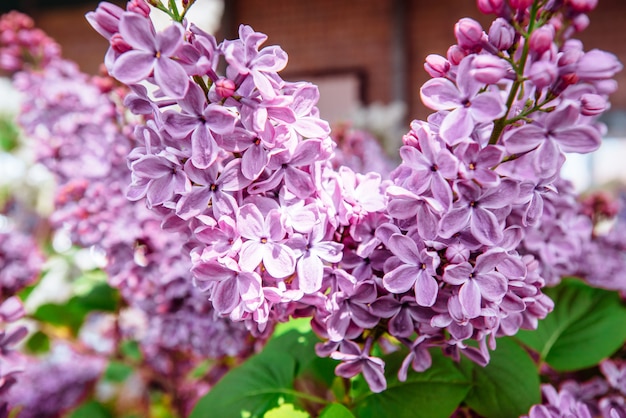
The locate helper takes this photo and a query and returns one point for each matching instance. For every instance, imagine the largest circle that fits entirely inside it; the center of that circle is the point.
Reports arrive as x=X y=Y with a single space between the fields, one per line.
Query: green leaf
x=117 y=372
x=286 y=410
x=586 y=326
x=434 y=393
x=130 y=349
x=250 y=390
x=265 y=380
x=9 y=135
x=70 y=314
x=91 y=409
x=101 y=297
x=296 y=338
x=507 y=387
x=38 y=343
x=336 y=410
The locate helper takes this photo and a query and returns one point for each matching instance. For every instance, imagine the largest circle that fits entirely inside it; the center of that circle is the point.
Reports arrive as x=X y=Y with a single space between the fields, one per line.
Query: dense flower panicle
x=603 y=260
x=21 y=261
x=83 y=137
x=454 y=246
x=22 y=45
x=11 y=361
x=601 y=396
x=360 y=151
x=62 y=379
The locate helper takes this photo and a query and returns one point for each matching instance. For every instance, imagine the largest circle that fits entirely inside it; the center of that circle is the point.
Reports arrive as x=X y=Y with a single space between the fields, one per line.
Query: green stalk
x=502 y=122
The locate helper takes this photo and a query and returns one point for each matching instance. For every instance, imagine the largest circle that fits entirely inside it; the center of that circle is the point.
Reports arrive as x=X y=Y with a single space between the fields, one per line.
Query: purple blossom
x=417 y=270
x=151 y=54
x=558 y=133
x=467 y=105
x=478 y=282
x=264 y=242
x=355 y=361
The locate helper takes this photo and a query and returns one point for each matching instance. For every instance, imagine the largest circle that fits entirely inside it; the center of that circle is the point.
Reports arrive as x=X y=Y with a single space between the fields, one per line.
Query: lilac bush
x=225 y=208
x=458 y=224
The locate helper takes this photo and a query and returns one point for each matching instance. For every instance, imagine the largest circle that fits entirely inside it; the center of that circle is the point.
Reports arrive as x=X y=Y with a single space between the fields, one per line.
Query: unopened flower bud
x=436 y=65
x=225 y=87
x=541 y=39
x=606 y=87
x=455 y=54
x=139 y=7
x=520 y=4
x=105 y=19
x=501 y=34
x=542 y=74
x=119 y=44
x=490 y=6
x=582 y=6
x=11 y=309
x=468 y=34
x=488 y=69
x=592 y=104
x=580 y=22
x=597 y=65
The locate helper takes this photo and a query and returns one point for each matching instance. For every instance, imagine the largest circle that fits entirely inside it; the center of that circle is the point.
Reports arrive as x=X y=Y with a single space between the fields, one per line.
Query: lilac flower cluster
x=20 y=265
x=601 y=396
x=21 y=262
x=22 y=45
x=477 y=200
x=81 y=135
x=61 y=379
x=360 y=151
x=441 y=254
x=11 y=361
x=603 y=263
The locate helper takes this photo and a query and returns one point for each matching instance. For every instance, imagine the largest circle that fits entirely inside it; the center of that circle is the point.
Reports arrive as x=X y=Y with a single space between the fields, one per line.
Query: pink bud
x=580 y=22
x=582 y=6
x=468 y=34
x=105 y=19
x=11 y=309
x=541 y=39
x=501 y=34
x=455 y=54
x=139 y=7
x=436 y=65
x=520 y=4
x=225 y=87
x=542 y=74
x=490 y=6
x=488 y=69
x=597 y=65
x=592 y=104
x=119 y=44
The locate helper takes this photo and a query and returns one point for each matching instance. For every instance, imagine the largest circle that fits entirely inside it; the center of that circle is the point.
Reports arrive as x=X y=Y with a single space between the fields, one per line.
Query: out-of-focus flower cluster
x=79 y=132
x=455 y=246
x=21 y=262
x=22 y=45
x=601 y=396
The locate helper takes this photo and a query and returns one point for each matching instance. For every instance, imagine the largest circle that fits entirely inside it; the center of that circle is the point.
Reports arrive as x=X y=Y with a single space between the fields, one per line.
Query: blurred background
x=365 y=55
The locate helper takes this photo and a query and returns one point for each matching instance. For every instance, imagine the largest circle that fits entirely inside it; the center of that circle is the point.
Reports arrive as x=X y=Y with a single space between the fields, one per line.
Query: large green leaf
x=507 y=387
x=587 y=325
x=286 y=410
x=434 y=393
x=250 y=390
x=336 y=410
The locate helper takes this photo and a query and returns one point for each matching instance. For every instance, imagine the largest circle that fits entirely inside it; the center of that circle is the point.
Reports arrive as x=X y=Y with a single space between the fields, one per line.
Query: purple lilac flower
x=21 y=261
x=62 y=380
x=452 y=248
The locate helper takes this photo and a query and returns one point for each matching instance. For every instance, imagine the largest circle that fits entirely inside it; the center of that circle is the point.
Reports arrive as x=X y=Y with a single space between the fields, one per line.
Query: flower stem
x=502 y=122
